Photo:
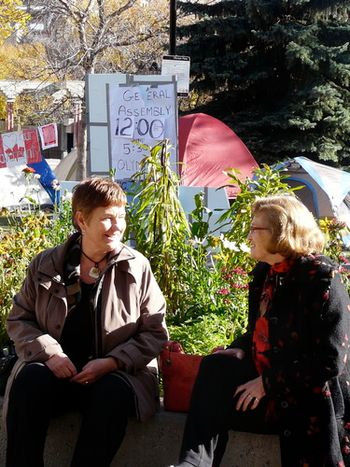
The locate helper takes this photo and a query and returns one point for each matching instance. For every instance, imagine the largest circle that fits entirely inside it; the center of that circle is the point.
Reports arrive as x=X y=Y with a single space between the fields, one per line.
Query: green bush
x=26 y=235
x=202 y=273
x=204 y=334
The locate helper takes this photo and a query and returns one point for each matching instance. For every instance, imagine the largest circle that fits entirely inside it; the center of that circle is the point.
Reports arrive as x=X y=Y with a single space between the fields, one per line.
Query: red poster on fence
x=19 y=147
x=14 y=150
x=32 y=146
x=48 y=135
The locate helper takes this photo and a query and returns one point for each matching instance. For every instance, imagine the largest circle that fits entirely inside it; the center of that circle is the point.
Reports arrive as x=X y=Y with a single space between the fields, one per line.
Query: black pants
x=212 y=412
x=37 y=395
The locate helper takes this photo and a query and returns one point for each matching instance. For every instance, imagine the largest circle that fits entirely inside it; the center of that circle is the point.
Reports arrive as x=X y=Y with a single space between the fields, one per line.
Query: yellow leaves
x=21 y=61
x=13 y=17
x=31 y=109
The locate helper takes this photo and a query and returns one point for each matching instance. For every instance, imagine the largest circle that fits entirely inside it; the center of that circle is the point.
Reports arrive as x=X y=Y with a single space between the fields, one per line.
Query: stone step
x=155 y=443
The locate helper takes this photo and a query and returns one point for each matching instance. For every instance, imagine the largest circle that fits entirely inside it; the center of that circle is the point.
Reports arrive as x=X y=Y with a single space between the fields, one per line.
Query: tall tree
x=277 y=72
x=87 y=36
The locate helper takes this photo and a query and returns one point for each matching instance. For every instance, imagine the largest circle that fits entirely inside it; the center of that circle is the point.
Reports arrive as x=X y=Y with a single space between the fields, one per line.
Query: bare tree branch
x=114 y=35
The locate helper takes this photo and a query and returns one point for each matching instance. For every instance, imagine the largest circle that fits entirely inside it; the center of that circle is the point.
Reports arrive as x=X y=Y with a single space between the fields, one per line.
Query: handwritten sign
x=145 y=113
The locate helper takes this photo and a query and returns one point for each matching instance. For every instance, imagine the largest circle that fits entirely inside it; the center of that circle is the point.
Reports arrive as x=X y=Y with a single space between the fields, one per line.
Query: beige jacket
x=132 y=325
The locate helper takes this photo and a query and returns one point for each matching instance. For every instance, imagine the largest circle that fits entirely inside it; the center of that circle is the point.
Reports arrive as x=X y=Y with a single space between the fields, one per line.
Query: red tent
x=207 y=147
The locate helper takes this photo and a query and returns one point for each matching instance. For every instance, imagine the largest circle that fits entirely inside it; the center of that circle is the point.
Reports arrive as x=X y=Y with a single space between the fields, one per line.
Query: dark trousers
x=212 y=412
x=37 y=395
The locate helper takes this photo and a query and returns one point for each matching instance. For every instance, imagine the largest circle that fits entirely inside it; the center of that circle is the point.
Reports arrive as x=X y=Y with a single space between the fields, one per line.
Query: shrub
x=26 y=235
x=203 y=275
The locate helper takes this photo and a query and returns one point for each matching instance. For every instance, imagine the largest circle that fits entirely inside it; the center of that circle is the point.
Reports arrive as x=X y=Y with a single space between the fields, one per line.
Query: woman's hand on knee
x=61 y=366
x=249 y=394
x=235 y=352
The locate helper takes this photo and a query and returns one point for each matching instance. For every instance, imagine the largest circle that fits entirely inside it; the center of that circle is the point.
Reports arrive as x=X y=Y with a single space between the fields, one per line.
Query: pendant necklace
x=95 y=271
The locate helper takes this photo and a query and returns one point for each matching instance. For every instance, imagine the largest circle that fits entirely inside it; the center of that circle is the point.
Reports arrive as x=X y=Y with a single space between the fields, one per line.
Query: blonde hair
x=96 y=192
x=294 y=229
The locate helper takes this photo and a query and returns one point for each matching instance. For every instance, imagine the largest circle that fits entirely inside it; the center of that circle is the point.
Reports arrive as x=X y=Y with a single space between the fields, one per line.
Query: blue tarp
x=48 y=179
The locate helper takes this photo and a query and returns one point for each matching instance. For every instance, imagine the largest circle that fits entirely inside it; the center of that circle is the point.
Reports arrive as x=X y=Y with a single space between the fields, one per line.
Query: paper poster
x=179 y=66
x=145 y=113
x=19 y=147
x=32 y=146
x=13 y=147
x=48 y=135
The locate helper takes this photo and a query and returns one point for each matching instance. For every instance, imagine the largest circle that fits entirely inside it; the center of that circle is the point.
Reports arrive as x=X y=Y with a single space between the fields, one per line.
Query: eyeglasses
x=253 y=228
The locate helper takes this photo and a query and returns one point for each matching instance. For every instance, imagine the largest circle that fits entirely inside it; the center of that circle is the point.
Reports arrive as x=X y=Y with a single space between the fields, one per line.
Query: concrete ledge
x=155 y=443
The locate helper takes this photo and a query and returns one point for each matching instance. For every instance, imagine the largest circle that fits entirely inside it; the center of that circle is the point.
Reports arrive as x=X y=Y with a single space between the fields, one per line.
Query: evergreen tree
x=277 y=72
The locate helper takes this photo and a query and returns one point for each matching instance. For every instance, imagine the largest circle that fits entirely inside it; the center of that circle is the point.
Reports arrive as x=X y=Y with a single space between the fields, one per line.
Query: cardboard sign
x=142 y=112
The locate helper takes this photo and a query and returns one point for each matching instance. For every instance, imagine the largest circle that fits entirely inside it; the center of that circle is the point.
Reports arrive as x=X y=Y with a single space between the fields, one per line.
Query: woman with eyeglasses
x=289 y=374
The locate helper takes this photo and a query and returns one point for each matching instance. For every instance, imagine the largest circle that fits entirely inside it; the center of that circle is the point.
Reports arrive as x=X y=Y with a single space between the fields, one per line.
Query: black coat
x=309 y=377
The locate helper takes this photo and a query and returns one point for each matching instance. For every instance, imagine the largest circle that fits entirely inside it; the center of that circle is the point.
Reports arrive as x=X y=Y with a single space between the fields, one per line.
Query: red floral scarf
x=261 y=341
